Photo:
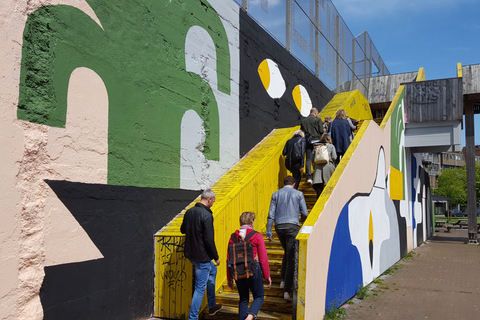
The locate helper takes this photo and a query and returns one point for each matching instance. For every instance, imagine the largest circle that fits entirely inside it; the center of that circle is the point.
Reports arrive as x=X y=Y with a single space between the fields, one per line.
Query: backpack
x=242 y=265
x=321 y=154
x=297 y=153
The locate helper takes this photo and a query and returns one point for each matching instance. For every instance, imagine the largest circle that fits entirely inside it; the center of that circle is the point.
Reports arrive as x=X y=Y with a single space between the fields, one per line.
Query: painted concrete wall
x=378 y=211
x=114 y=115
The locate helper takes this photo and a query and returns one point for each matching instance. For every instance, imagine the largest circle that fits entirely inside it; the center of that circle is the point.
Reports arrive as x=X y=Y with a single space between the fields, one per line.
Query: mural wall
x=276 y=91
x=378 y=210
x=115 y=114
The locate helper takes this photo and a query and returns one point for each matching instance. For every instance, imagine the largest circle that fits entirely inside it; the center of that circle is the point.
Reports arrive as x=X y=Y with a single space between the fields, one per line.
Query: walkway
x=440 y=280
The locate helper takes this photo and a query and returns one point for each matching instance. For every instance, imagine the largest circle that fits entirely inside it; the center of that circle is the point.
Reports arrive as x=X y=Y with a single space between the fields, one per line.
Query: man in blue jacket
x=200 y=249
x=285 y=205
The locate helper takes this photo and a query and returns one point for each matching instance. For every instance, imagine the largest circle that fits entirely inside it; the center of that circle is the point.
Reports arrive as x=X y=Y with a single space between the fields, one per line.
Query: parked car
x=456 y=213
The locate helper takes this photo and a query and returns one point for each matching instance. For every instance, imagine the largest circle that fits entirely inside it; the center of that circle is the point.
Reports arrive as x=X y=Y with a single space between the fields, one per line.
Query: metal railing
x=314 y=32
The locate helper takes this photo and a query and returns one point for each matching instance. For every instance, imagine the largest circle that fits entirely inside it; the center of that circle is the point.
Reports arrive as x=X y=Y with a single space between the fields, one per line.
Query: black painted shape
x=259 y=113
x=121 y=221
x=424 y=187
x=402 y=229
x=370 y=250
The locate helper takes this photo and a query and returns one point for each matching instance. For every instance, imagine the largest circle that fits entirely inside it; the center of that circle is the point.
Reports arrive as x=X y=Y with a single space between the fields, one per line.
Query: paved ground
x=440 y=281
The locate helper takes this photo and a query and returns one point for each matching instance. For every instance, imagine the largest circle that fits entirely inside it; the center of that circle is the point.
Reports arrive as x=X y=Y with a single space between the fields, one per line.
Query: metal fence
x=314 y=32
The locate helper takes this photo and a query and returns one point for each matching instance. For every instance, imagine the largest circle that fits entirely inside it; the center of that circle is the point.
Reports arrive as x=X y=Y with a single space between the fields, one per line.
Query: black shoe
x=213 y=311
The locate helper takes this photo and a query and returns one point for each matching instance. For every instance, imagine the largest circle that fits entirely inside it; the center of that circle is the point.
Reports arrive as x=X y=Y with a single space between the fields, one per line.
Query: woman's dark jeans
x=254 y=284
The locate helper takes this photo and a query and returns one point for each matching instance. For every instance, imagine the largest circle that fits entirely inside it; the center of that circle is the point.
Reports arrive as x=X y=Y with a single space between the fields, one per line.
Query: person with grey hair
x=200 y=249
x=285 y=205
x=294 y=152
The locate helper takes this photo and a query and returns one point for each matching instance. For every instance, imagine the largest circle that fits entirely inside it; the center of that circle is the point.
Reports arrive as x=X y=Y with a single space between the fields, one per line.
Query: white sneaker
x=287 y=297
x=282 y=284
x=310 y=181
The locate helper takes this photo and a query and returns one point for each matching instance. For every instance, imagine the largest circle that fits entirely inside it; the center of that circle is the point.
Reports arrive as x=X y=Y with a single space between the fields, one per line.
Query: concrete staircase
x=274 y=306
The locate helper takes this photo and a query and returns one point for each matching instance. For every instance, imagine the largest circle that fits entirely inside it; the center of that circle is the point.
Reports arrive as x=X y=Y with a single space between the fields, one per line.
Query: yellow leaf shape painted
x=297 y=97
x=264 y=73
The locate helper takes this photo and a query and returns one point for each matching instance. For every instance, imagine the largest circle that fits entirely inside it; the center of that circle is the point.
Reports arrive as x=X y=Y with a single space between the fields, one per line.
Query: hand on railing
x=269 y=236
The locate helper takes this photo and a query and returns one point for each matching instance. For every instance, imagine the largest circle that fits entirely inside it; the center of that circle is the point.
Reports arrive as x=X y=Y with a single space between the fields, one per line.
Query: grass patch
x=393 y=269
x=335 y=314
x=362 y=292
x=409 y=256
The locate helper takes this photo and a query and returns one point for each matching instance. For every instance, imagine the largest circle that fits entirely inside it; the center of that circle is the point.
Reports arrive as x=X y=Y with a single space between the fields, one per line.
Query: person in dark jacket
x=200 y=249
x=313 y=128
x=341 y=131
x=294 y=152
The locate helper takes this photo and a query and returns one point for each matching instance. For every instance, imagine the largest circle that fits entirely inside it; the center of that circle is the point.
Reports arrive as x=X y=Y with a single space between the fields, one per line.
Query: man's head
x=247 y=218
x=207 y=197
x=289 y=181
x=314 y=112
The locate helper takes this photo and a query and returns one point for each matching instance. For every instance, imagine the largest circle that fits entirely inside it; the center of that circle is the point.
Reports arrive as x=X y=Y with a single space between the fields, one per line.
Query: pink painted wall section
x=31 y=236
x=358 y=177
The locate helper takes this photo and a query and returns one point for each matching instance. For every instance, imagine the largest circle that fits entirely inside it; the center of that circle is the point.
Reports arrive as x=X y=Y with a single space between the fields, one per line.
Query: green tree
x=452 y=183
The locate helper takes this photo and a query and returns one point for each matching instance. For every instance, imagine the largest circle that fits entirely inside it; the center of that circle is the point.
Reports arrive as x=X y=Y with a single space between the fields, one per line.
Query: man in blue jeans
x=284 y=210
x=200 y=249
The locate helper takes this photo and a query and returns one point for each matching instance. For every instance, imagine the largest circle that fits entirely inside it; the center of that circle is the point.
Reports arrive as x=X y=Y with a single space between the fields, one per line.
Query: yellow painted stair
x=274 y=306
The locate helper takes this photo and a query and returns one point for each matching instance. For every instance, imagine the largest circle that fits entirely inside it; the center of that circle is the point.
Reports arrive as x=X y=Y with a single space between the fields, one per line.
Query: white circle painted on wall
x=271 y=78
x=302 y=100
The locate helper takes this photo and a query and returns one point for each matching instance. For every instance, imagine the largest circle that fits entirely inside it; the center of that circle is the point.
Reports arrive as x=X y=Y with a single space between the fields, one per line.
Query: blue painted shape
x=345 y=267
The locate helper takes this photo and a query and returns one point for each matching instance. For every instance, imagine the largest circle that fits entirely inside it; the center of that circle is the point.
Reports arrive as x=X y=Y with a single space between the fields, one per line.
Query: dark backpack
x=297 y=153
x=242 y=264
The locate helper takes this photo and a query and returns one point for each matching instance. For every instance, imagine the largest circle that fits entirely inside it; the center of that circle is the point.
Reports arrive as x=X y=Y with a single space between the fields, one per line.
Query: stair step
x=273 y=291
x=231 y=313
x=277 y=304
x=274 y=306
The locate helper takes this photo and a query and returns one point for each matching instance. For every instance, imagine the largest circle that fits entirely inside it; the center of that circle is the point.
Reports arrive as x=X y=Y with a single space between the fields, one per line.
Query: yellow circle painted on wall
x=271 y=78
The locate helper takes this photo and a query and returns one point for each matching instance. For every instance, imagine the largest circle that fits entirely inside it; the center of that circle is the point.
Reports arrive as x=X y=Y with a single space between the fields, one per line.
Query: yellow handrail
x=248 y=186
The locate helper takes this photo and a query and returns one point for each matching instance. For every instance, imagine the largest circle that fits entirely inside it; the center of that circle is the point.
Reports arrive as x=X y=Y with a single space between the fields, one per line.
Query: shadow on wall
x=121 y=221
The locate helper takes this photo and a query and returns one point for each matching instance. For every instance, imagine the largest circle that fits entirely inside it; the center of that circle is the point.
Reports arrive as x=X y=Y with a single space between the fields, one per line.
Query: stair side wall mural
x=115 y=114
x=364 y=228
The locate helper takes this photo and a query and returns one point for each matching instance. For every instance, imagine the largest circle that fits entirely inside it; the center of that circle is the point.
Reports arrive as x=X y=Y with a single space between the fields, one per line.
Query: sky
x=433 y=34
